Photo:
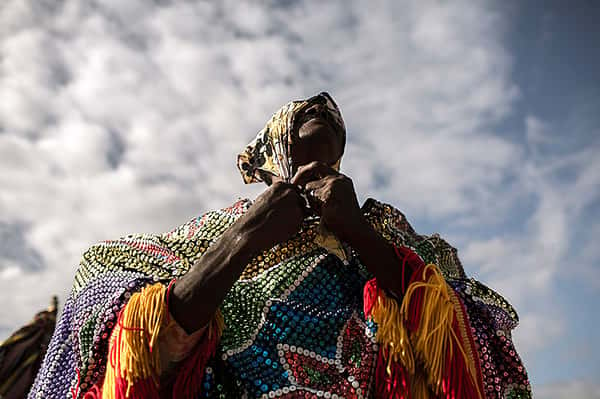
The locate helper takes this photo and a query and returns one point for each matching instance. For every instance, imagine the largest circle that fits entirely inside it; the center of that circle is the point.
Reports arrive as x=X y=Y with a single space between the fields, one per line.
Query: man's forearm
x=275 y=216
x=379 y=256
x=197 y=295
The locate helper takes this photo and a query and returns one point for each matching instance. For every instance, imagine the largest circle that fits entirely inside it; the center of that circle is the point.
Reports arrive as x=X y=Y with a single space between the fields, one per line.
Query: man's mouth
x=318 y=118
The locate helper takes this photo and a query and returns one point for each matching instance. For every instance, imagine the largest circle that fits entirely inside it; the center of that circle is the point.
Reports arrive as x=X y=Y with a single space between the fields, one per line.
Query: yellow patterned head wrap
x=269 y=154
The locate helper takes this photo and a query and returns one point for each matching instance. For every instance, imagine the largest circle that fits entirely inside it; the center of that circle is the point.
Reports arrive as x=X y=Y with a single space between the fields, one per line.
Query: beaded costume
x=299 y=322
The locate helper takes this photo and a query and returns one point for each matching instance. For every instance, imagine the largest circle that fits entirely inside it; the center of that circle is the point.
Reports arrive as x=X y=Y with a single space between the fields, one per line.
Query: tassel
x=392 y=381
x=395 y=353
x=370 y=294
x=419 y=388
x=133 y=369
x=433 y=332
x=436 y=339
x=423 y=330
x=391 y=332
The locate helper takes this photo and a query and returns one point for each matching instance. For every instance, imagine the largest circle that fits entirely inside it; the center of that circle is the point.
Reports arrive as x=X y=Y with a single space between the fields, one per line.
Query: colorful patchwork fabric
x=294 y=321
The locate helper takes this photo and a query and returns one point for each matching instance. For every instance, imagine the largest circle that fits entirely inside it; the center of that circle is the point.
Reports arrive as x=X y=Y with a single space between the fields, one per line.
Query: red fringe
x=370 y=294
x=456 y=383
x=390 y=386
x=142 y=389
x=188 y=383
x=471 y=345
x=416 y=303
x=394 y=385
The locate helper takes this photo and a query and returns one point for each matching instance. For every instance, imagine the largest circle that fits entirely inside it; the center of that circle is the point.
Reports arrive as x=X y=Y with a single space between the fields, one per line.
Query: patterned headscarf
x=269 y=154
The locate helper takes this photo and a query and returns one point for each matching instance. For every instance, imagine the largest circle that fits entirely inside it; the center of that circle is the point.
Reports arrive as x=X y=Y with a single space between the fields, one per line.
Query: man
x=21 y=354
x=301 y=293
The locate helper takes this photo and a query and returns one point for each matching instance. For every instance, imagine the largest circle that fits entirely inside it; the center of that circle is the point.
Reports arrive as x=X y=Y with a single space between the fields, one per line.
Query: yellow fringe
x=392 y=333
x=434 y=334
x=418 y=385
x=435 y=325
x=136 y=344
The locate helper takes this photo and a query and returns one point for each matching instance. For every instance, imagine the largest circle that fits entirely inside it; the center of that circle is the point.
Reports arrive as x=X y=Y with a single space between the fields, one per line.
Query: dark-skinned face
x=316 y=138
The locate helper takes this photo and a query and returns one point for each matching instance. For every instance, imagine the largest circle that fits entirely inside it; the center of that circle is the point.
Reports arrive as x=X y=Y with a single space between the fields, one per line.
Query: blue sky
x=479 y=120
x=556 y=64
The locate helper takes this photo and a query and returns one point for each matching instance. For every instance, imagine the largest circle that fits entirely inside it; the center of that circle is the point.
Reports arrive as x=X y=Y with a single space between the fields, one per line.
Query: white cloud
x=568 y=390
x=118 y=117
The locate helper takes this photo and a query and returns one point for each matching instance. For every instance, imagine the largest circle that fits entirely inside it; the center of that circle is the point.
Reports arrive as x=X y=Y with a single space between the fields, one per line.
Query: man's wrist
x=359 y=233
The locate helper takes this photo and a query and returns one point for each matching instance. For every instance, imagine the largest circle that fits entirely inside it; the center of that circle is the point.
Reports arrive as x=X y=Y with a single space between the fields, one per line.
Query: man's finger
x=298 y=194
x=312 y=171
x=314 y=194
x=314 y=185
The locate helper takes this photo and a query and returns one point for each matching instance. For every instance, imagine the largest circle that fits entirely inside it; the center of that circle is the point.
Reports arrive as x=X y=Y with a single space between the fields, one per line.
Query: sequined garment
x=294 y=320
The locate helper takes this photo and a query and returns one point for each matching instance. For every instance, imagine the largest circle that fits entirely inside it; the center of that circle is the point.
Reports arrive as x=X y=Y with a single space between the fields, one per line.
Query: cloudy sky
x=481 y=121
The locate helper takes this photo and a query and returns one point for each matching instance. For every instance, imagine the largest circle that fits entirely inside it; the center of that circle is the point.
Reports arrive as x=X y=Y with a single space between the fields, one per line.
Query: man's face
x=316 y=138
